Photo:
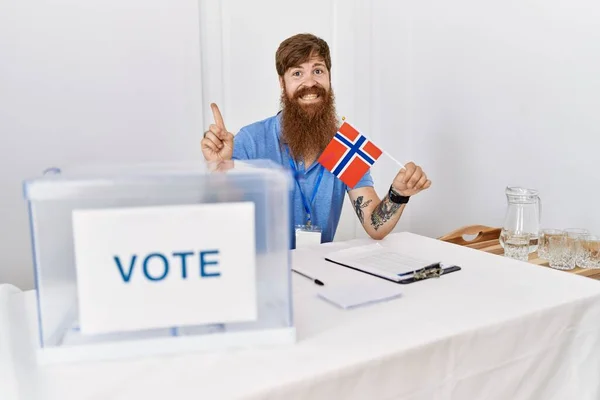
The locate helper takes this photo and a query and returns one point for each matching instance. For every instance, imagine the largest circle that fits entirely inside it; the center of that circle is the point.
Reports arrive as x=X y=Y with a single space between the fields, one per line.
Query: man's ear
x=281 y=83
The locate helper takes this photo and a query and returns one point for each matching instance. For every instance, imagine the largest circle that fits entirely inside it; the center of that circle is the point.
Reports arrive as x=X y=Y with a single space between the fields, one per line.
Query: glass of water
x=590 y=252
x=545 y=234
x=516 y=245
x=561 y=252
x=575 y=235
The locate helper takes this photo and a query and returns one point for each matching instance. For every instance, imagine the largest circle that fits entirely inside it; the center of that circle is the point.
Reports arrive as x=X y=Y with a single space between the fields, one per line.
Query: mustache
x=317 y=89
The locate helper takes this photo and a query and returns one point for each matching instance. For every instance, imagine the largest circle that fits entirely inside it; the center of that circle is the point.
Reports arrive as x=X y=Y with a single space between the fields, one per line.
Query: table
x=499 y=329
x=494 y=247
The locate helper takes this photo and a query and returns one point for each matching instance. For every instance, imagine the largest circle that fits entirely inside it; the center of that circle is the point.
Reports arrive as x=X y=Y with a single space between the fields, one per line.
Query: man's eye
x=297 y=73
x=318 y=71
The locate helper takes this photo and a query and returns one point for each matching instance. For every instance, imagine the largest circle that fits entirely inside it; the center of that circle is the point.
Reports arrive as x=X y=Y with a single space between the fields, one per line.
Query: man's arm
x=379 y=216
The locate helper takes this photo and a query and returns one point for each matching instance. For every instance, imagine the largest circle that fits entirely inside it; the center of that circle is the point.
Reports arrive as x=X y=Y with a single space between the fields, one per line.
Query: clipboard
x=434 y=270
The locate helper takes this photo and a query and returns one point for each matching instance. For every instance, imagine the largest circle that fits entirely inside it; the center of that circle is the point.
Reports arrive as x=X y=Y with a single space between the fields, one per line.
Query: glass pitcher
x=522 y=215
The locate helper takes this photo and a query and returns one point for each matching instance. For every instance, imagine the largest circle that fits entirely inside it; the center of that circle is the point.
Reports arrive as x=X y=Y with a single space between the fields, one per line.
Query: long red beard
x=307 y=129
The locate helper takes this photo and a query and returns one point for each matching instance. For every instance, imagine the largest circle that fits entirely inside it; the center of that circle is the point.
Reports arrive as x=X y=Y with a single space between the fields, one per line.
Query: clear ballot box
x=162 y=258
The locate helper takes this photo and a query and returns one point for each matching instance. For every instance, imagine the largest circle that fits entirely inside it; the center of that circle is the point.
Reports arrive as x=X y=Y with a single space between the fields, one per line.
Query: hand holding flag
x=410 y=180
x=350 y=154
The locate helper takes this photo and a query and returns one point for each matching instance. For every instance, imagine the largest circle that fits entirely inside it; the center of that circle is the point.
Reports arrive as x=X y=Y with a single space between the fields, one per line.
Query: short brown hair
x=298 y=49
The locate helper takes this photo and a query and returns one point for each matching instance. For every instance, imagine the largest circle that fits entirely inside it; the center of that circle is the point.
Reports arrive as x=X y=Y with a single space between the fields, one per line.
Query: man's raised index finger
x=217 y=116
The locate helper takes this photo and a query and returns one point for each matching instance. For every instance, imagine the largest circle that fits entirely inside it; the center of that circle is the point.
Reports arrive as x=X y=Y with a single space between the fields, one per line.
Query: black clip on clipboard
x=431 y=271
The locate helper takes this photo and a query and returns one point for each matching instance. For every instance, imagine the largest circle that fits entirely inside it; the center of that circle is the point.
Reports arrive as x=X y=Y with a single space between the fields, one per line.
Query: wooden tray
x=488 y=239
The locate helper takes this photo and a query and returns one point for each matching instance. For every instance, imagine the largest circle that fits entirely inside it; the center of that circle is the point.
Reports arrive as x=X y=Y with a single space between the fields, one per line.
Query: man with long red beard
x=295 y=138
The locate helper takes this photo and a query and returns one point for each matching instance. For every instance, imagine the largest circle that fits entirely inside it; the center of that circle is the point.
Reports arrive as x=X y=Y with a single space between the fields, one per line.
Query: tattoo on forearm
x=358 y=206
x=383 y=212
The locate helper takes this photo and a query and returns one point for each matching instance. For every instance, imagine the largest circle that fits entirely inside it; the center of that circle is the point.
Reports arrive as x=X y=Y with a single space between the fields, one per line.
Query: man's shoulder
x=262 y=127
x=258 y=140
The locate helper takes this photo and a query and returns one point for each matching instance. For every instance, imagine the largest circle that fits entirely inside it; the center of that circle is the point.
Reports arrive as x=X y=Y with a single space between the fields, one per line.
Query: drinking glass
x=561 y=252
x=545 y=234
x=516 y=245
x=590 y=252
x=575 y=235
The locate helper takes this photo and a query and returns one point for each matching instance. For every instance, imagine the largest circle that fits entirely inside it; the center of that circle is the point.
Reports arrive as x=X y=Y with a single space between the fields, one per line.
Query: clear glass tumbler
x=561 y=252
x=590 y=252
x=545 y=234
x=575 y=235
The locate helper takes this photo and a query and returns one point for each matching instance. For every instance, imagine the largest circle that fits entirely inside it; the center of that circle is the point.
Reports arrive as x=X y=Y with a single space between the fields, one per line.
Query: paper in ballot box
x=138 y=260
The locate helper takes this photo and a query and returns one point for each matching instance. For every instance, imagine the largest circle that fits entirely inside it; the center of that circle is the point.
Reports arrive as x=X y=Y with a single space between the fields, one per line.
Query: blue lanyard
x=305 y=202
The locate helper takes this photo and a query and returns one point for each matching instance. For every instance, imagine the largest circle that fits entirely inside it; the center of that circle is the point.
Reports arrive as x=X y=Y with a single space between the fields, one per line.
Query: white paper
x=368 y=292
x=120 y=296
x=379 y=260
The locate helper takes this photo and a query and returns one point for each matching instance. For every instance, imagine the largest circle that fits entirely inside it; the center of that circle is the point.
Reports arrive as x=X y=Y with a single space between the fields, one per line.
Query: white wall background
x=493 y=93
x=91 y=81
x=482 y=94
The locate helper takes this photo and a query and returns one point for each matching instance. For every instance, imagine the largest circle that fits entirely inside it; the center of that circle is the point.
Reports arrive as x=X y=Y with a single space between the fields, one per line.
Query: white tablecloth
x=498 y=329
x=8 y=380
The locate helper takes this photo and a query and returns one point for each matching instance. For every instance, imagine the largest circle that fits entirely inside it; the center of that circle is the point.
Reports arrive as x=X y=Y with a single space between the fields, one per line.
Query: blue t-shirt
x=261 y=140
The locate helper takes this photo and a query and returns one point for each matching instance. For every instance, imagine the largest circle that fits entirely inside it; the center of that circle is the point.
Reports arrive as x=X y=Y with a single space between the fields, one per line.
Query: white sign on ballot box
x=164 y=266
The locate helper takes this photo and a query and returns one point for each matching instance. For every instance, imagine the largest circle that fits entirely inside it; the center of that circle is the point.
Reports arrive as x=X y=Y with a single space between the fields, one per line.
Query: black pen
x=315 y=280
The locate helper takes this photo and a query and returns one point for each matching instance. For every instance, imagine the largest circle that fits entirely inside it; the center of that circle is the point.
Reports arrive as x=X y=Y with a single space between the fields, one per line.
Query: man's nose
x=310 y=81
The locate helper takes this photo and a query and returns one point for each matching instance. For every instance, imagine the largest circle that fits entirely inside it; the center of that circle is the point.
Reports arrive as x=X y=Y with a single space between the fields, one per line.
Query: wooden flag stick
x=393 y=159
x=385 y=152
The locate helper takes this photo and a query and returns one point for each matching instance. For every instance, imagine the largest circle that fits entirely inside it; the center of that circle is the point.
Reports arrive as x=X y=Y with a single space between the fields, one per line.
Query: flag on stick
x=349 y=155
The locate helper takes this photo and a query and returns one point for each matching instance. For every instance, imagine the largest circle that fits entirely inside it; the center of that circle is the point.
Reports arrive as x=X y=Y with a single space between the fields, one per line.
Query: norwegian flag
x=349 y=155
